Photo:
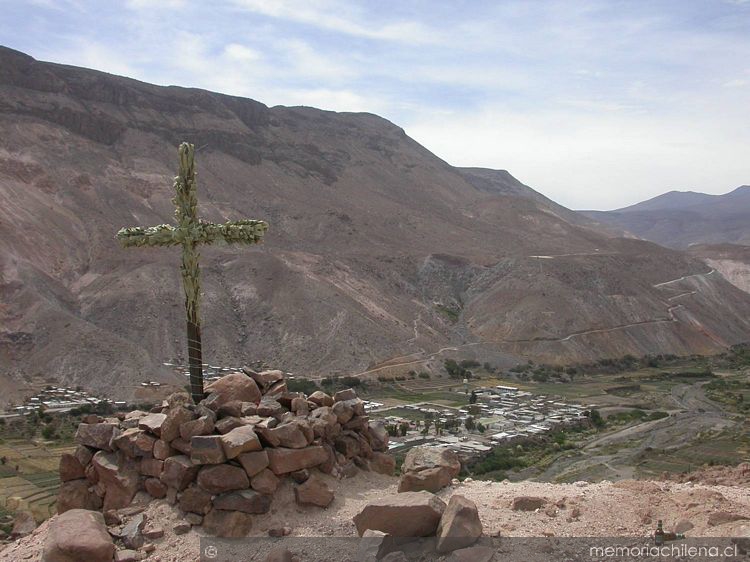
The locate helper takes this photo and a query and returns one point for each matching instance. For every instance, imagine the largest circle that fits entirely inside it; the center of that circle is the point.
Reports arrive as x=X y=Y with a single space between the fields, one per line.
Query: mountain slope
x=377 y=250
x=680 y=218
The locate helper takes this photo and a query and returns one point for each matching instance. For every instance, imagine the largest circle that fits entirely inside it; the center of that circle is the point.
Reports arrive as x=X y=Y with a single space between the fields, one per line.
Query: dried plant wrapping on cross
x=189 y=233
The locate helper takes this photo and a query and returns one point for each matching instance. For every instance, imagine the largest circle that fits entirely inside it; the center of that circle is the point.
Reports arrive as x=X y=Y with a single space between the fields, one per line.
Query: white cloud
x=339 y=16
x=241 y=53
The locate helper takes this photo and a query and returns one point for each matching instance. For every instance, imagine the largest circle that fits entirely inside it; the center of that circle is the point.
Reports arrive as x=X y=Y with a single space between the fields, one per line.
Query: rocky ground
x=622 y=509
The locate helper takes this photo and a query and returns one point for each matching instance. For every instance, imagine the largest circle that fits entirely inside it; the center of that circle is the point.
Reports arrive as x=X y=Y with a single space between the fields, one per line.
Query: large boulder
x=409 y=514
x=265 y=482
x=283 y=461
x=119 y=477
x=460 y=526
x=383 y=463
x=265 y=379
x=320 y=398
x=220 y=478
x=195 y=500
x=78 y=535
x=294 y=435
x=235 y=386
x=428 y=468
x=135 y=442
x=97 y=435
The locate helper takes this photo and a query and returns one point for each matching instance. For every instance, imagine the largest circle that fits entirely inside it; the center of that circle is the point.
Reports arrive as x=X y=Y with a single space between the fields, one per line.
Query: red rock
x=207 y=449
x=409 y=514
x=235 y=386
x=220 y=478
x=343 y=412
x=343 y=395
x=232 y=408
x=378 y=436
x=230 y=524
x=253 y=462
x=162 y=450
x=265 y=482
x=152 y=423
x=460 y=526
x=135 y=443
x=283 y=461
x=383 y=463
x=320 y=398
x=265 y=379
x=170 y=427
x=155 y=487
x=151 y=467
x=240 y=440
x=203 y=425
x=84 y=454
x=347 y=446
x=70 y=468
x=247 y=501
x=195 y=500
x=97 y=435
x=313 y=492
x=269 y=407
x=119 y=477
x=428 y=468
x=78 y=535
x=225 y=425
x=77 y=494
x=182 y=446
x=23 y=524
x=127 y=555
x=291 y=435
x=527 y=503
x=178 y=472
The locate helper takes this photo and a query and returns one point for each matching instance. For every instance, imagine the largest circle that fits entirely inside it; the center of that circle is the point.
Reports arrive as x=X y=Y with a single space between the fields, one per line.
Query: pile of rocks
x=222 y=460
x=391 y=522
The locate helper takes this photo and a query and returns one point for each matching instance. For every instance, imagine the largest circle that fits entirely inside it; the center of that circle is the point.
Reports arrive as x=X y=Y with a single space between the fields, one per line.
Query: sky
x=596 y=104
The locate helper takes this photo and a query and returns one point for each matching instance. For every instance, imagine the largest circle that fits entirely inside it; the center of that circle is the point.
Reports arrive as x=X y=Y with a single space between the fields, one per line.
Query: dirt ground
x=623 y=509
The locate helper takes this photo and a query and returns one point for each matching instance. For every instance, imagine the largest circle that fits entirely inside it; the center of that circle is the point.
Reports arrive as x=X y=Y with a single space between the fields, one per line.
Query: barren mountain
x=680 y=218
x=731 y=260
x=377 y=250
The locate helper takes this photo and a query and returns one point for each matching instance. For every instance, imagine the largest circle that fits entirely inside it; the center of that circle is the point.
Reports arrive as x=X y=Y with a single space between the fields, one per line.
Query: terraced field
x=30 y=475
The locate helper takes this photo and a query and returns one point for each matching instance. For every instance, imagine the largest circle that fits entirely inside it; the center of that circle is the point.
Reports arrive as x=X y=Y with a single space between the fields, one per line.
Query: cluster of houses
x=506 y=415
x=210 y=372
x=59 y=399
x=511 y=414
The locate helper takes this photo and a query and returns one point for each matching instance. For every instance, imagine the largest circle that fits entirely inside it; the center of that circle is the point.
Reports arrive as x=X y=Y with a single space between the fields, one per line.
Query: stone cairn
x=222 y=460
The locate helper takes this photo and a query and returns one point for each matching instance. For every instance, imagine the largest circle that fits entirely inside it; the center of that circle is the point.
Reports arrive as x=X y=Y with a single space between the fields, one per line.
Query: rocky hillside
x=377 y=249
x=679 y=219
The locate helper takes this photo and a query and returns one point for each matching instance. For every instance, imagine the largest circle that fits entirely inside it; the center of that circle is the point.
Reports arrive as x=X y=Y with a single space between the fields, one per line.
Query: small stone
x=248 y=501
x=225 y=425
x=299 y=476
x=181 y=528
x=153 y=533
x=460 y=526
x=527 y=503
x=203 y=425
x=193 y=518
x=127 y=555
x=170 y=427
x=313 y=492
x=162 y=450
x=155 y=487
x=279 y=554
x=320 y=398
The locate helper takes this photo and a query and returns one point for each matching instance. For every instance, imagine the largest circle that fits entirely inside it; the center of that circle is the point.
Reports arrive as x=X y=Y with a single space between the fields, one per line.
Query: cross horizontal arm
x=231 y=232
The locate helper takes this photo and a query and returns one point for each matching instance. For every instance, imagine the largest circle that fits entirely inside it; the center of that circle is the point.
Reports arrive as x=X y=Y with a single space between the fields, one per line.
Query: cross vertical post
x=189 y=233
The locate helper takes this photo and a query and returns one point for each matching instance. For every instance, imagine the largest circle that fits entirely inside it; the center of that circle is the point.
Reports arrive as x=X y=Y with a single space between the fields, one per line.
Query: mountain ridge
x=372 y=239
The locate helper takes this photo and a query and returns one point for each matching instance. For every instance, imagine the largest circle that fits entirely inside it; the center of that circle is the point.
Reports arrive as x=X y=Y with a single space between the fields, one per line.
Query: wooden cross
x=189 y=232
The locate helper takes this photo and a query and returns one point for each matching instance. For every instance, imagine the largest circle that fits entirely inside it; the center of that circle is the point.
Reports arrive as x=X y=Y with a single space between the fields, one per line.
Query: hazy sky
x=595 y=104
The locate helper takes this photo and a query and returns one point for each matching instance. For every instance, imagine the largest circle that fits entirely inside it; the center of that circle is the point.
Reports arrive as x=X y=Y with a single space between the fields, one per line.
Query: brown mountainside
x=376 y=249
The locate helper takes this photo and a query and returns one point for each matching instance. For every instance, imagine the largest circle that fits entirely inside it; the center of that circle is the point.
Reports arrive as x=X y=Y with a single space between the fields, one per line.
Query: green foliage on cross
x=189 y=233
